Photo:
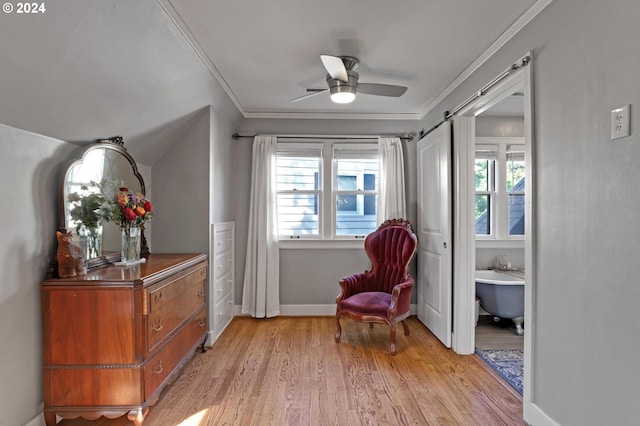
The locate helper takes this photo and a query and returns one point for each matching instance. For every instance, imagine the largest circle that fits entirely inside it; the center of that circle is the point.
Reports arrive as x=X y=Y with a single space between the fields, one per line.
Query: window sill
x=500 y=243
x=322 y=244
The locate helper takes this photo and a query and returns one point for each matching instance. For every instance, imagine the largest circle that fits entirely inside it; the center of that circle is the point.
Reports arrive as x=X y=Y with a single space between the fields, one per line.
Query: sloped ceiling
x=92 y=69
x=142 y=69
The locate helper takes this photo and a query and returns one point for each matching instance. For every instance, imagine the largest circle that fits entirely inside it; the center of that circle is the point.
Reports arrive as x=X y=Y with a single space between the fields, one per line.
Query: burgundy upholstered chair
x=383 y=293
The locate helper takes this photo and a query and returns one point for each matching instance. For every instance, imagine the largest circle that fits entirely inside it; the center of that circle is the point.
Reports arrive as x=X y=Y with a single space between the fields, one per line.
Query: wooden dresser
x=115 y=337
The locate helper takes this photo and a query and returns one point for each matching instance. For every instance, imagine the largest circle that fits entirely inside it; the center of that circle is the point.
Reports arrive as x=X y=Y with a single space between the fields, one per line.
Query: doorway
x=500 y=190
x=471 y=121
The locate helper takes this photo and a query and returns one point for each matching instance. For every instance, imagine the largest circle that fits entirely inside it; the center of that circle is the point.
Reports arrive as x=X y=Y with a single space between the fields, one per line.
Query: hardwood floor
x=500 y=335
x=290 y=371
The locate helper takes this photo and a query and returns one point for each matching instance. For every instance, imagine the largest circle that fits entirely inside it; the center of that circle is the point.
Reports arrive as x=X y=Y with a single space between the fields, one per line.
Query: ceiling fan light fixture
x=343 y=94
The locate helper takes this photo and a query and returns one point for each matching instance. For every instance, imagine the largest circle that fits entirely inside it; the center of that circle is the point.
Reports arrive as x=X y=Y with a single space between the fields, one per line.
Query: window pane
x=347 y=183
x=516 y=214
x=483 y=180
x=483 y=216
x=298 y=214
x=515 y=172
x=370 y=181
x=361 y=220
x=347 y=203
x=358 y=172
x=297 y=173
x=356 y=213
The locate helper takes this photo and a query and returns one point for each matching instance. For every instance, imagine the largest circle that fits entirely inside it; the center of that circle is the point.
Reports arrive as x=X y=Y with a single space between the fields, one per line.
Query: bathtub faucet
x=503 y=262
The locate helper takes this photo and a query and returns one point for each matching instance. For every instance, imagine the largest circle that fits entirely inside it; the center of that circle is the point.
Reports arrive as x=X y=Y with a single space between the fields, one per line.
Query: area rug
x=508 y=363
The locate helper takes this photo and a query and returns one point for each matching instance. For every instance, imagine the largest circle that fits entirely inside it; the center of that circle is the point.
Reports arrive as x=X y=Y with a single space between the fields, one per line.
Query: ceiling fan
x=342 y=80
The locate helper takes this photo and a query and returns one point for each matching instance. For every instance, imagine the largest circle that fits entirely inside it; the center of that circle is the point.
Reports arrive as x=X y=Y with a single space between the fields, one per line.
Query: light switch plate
x=620 y=122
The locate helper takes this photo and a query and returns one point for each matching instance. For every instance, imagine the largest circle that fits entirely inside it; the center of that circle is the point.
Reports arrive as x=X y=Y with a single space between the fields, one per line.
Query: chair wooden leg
x=339 y=332
x=392 y=338
x=405 y=324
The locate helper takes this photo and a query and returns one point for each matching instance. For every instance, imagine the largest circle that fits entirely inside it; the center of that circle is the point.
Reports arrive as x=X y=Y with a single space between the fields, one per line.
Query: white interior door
x=434 y=284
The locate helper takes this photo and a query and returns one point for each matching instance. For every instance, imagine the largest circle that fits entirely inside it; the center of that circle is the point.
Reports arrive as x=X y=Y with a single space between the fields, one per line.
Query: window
x=326 y=190
x=500 y=188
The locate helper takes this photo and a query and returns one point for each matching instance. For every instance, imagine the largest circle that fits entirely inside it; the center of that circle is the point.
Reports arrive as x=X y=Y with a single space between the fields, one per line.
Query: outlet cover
x=620 y=122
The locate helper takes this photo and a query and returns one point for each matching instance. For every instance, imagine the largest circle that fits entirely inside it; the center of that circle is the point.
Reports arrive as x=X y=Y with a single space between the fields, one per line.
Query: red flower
x=123 y=189
x=129 y=214
x=147 y=205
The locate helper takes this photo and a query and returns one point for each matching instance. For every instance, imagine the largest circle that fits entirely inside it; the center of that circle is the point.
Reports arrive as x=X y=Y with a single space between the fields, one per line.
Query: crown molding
x=332 y=116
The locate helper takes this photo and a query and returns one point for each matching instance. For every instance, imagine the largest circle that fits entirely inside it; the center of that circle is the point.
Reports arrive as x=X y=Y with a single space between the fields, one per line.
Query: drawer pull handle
x=158 y=297
x=200 y=293
x=159 y=369
x=157 y=327
x=201 y=323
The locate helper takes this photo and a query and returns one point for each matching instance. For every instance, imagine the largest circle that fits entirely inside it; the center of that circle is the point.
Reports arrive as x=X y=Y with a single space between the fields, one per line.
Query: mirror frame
x=116 y=144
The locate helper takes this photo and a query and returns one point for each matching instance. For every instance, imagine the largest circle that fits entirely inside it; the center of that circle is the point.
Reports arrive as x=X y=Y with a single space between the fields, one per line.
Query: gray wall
x=499 y=126
x=586 y=341
x=223 y=187
x=30 y=167
x=193 y=184
x=181 y=192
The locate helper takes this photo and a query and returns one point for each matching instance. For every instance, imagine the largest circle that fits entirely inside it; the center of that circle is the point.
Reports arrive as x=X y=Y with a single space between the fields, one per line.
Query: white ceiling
x=143 y=69
x=265 y=53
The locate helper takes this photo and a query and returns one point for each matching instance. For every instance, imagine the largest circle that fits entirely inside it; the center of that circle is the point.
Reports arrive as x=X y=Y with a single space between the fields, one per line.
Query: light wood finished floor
x=502 y=335
x=290 y=371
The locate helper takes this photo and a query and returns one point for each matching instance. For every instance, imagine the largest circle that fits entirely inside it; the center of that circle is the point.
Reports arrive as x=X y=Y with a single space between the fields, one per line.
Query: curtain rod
x=409 y=138
x=448 y=114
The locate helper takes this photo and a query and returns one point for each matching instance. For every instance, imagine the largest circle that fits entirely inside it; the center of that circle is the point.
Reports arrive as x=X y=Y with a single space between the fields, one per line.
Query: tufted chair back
x=390 y=250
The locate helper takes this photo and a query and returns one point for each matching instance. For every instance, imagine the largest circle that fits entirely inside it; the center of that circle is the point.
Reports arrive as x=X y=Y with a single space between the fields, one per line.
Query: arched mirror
x=103 y=168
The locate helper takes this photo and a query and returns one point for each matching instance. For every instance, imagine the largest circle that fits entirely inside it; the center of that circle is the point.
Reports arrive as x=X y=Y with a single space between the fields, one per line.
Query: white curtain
x=261 y=293
x=391 y=199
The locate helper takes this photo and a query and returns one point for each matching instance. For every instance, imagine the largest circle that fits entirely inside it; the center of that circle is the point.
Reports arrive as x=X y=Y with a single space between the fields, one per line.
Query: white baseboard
x=308 y=310
x=535 y=416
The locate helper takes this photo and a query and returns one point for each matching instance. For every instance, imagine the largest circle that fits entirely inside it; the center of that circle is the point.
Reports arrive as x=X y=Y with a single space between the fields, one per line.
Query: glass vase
x=90 y=239
x=130 y=252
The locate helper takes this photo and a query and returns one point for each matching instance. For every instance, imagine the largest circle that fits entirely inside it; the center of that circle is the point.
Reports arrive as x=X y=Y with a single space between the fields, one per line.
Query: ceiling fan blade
x=312 y=92
x=335 y=67
x=381 y=89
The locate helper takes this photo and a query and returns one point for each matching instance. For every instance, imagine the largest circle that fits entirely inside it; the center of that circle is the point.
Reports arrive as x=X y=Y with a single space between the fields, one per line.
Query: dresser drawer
x=222 y=286
x=92 y=386
x=223 y=241
x=223 y=312
x=163 y=320
x=166 y=293
x=158 y=368
x=222 y=264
